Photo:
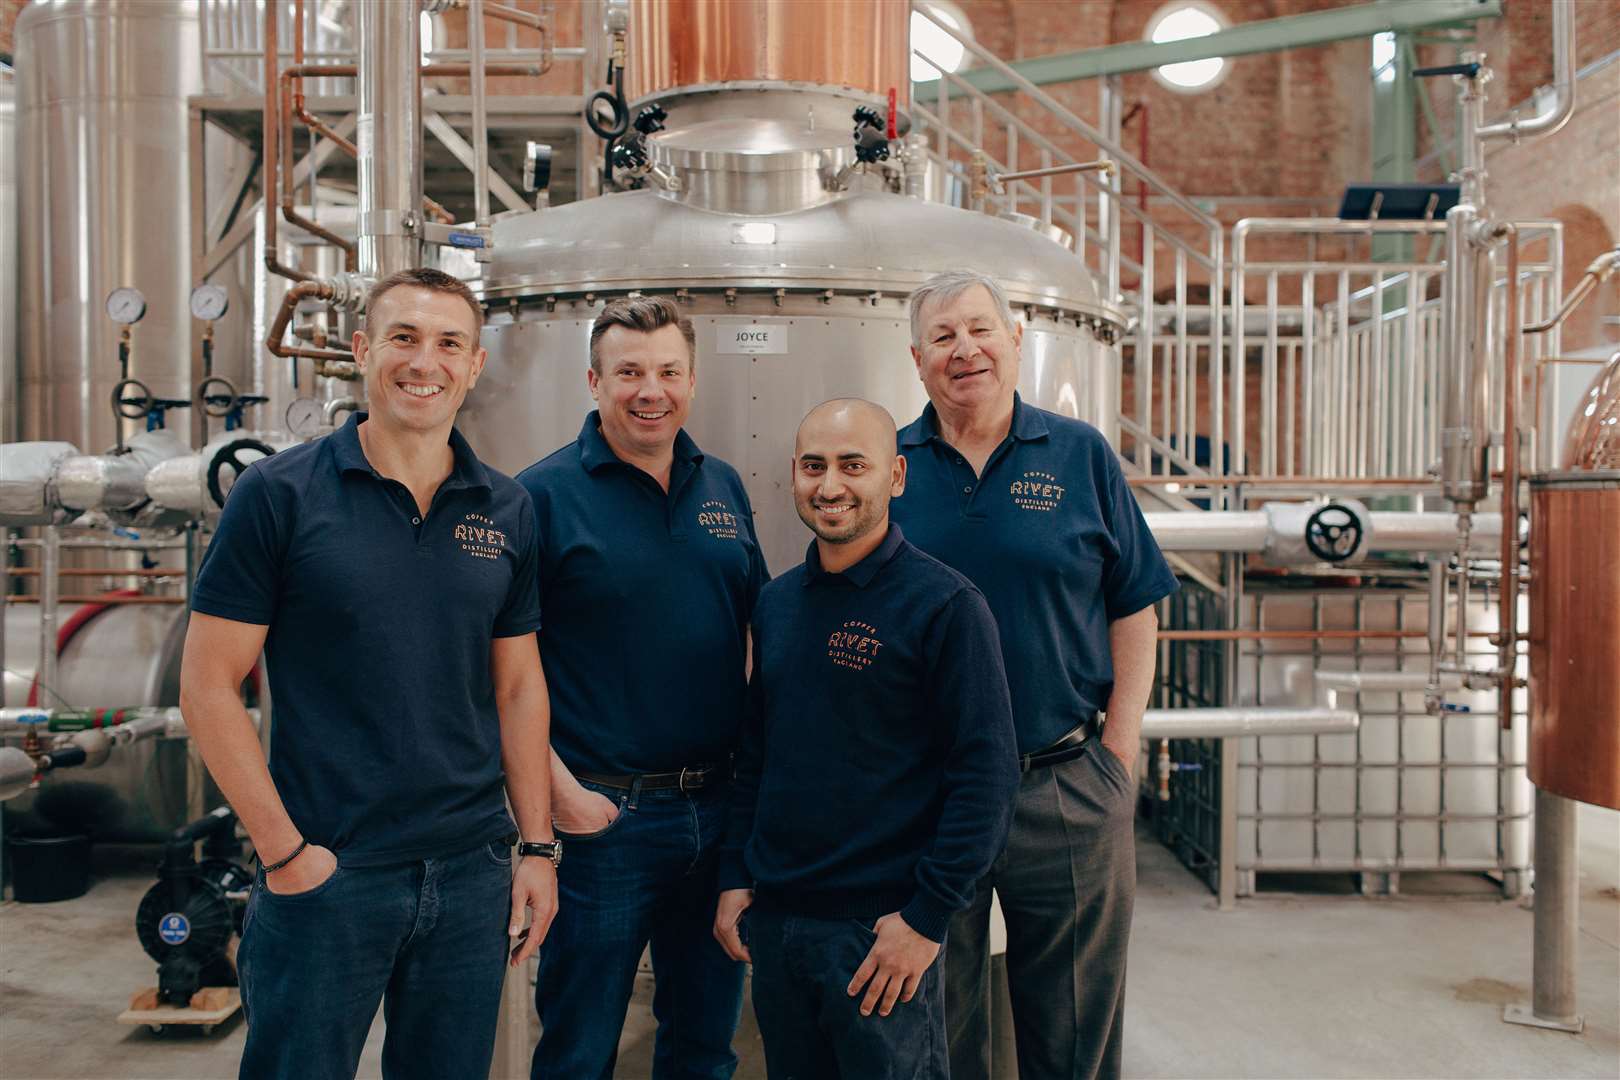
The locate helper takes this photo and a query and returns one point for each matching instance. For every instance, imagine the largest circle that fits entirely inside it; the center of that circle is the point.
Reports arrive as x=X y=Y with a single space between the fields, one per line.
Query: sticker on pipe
x=174 y=928
x=752 y=339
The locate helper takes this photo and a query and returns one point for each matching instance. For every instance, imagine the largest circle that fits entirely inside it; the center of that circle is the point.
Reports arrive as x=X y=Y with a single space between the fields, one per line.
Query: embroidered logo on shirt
x=1037 y=491
x=717 y=517
x=478 y=536
x=855 y=646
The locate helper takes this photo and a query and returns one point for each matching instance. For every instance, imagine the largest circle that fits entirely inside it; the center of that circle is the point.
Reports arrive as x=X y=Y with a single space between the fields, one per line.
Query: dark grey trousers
x=1066 y=881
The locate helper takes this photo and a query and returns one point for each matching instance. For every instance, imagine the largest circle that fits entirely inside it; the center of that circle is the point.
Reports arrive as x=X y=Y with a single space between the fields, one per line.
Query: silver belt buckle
x=680 y=782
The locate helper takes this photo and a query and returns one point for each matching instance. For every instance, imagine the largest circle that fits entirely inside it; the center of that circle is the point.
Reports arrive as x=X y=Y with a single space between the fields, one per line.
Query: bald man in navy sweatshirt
x=876 y=774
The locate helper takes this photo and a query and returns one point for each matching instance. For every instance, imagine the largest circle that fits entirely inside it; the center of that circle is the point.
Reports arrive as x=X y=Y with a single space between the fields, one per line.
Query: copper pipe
x=1102 y=165
x=100 y=599
x=278 y=328
x=294 y=77
x=288 y=207
x=271 y=145
x=1507 y=617
x=437 y=211
x=440 y=70
x=514 y=15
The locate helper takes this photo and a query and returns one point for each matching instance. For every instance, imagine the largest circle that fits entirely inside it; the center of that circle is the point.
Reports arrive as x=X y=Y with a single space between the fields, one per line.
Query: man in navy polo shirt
x=649 y=569
x=876 y=776
x=390 y=579
x=1034 y=509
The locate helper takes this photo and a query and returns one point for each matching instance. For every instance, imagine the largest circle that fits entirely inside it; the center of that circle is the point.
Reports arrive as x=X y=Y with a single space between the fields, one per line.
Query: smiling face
x=644 y=389
x=966 y=356
x=845 y=471
x=420 y=355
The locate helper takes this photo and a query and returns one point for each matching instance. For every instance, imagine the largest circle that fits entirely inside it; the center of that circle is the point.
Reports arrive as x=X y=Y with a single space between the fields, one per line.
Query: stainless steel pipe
x=1557 y=919
x=388 y=134
x=1562 y=106
x=1221 y=723
x=1464 y=403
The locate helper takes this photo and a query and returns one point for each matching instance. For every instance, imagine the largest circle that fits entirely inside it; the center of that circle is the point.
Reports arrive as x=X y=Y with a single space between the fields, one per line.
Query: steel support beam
x=1262 y=36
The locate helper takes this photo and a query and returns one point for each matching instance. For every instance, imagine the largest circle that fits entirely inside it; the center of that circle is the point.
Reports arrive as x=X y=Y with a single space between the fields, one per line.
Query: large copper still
x=857 y=45
x=1575 y=607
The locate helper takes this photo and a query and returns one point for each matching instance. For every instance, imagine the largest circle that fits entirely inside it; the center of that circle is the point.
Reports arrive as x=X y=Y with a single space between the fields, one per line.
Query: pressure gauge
x=126 y=305
x=305 y=417
x=209 y=302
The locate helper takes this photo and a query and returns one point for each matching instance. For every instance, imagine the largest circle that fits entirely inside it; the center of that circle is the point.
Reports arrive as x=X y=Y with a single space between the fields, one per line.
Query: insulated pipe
x=1563 y=103
x=1252 y=531
x=1222 y=723
x=17 y=772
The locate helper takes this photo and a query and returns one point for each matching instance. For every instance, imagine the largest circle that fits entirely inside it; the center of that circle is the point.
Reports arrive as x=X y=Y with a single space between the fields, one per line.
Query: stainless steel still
x=790 y=309
x=105 y=201
x=1575 y=634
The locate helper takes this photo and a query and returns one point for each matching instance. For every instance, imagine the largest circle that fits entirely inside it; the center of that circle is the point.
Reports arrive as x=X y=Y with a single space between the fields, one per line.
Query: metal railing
x=1178 y=248
x=1342 y=355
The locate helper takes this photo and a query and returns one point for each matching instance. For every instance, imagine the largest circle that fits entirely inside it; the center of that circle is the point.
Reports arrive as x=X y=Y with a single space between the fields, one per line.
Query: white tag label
x=752 y=338
x=362 y=135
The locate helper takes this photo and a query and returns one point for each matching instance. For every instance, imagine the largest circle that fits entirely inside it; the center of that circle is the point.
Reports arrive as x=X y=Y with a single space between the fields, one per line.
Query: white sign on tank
x=751 y=338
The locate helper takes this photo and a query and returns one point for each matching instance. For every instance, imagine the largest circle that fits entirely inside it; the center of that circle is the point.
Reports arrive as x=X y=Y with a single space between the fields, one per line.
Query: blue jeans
x=813 y=1029
x=427 y=939
x=647 y=877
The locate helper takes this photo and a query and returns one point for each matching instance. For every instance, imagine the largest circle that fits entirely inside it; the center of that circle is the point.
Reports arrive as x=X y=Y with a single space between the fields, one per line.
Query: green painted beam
x=1265 y=35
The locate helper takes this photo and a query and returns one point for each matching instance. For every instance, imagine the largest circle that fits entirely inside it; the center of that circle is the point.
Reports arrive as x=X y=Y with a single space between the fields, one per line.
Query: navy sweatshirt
x=877 y=768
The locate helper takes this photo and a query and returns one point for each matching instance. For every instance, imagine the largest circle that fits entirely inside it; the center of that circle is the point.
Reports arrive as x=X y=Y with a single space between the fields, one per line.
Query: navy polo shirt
x=647 y=597
x=877 y=770
x=385 y=743
x=1053 y=536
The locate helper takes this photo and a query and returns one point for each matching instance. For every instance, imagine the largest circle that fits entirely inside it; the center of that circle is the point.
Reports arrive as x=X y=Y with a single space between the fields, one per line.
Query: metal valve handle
x=134 y=407
x=223 y=401
x=231 y=455
x=1333 y=532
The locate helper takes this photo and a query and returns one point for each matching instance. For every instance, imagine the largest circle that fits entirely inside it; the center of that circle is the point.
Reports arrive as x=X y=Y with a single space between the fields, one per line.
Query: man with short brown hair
x=649 y=568
x=389 y=577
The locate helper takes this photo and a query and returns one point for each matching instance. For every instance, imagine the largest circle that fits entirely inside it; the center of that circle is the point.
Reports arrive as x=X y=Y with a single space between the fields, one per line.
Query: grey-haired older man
x=1033 y=508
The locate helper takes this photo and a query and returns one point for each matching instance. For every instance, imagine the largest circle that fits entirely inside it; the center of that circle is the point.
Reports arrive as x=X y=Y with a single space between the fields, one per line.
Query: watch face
x=304 y=417
x=209 y=302
x=126 y=305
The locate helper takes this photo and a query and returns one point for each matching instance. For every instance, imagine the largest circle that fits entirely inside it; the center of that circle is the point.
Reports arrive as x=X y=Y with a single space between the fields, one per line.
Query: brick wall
x=8 y=18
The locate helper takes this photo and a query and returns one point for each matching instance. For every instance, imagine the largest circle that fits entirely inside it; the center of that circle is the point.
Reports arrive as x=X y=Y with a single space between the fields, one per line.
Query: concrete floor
x=1285 y=986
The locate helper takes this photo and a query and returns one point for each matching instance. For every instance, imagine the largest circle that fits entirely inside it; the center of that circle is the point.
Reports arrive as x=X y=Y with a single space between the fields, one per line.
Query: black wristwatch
x=550 y=849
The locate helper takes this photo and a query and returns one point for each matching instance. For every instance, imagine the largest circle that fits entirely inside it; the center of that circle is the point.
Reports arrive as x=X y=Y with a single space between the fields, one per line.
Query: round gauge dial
x=126 y=305
x=209 y=302
x=305 y=417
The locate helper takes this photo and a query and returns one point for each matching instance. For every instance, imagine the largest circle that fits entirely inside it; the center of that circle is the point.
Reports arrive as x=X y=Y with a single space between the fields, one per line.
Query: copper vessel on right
x=1575 y=607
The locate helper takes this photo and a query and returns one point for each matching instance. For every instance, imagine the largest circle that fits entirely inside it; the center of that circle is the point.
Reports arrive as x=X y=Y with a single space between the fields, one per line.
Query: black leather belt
x=695 y=778
x=1069 y=747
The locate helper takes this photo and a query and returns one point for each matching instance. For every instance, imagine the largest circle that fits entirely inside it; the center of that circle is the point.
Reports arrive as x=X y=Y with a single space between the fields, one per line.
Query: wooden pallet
x=210 y=1006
